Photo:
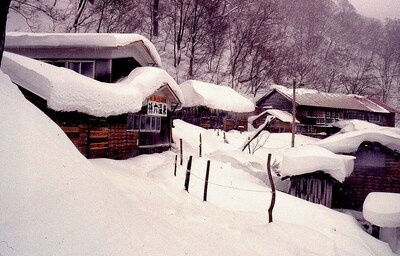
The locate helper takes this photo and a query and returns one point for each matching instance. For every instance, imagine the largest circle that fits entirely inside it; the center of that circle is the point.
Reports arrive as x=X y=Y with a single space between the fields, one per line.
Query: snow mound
x=355 y=125
x=311 y=158
x=53 y=200
x=350 y=141
x=66 y=90
x=214 y=96
x=382 y=209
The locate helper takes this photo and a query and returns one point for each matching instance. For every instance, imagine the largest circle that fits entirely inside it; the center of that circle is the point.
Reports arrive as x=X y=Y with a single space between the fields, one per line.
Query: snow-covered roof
x=314 y=98
x=350 y=141
x=355 y=125
x=282 y=115
x=66 y=90
x=81 y=40
x=382 y=209
x=214 y=96
x=311 y=158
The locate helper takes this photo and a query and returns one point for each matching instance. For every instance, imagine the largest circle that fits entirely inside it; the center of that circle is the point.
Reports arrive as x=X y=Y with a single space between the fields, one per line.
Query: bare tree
x=4 y=7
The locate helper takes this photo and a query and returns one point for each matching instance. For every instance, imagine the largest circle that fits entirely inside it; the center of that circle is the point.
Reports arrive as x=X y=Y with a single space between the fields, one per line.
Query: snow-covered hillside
x=56 y=202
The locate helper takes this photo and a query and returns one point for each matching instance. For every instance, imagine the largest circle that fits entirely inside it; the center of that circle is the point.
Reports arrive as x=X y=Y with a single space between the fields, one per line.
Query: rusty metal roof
x=339 y=101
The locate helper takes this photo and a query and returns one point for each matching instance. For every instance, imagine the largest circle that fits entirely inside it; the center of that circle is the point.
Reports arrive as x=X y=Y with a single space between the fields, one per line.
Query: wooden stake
x=200 y=146
x=176 y=162
x=180 y=141
x=206 y=181
x=271 y=207
x=187 y=179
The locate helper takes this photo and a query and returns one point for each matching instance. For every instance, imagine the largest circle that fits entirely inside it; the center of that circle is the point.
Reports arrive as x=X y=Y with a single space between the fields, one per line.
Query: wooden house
x=313 y=171
x=214 y=106
x=282 y=121
x=376 y=169
x=376 y=165
x=101 y=56
x=317 y=111
x=112 y=120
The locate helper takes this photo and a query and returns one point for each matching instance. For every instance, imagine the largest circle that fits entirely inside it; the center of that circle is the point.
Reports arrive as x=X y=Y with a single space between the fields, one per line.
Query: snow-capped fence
x=207 y=182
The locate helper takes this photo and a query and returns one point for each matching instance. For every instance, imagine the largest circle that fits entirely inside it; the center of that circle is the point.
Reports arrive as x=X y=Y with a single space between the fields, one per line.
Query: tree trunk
x=4 y=6
x=155 y=17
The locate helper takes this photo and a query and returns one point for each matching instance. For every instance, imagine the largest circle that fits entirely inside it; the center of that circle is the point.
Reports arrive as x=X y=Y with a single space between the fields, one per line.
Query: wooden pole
x=293 y=113
x=180 y=142
x=206 y=181
x=200 y=146
x=187 y=179
x=271 y=207
x=176 y=162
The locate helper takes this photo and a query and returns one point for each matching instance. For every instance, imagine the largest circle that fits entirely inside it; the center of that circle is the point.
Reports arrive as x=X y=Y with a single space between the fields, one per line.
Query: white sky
x=379 y=9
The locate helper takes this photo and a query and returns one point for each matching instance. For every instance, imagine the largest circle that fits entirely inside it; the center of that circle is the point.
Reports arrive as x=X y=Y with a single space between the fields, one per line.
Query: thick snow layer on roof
x=23 y=39
x=350 y=141
x=310 y=158
x=197 y=93
x=66 y=90
x=382 y=209
x=355 y=125
x=284 y=116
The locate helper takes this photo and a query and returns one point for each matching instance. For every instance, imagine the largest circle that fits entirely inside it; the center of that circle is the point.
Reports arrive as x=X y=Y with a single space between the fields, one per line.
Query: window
x=144 y=123
x=311 y=113
x=85 y=68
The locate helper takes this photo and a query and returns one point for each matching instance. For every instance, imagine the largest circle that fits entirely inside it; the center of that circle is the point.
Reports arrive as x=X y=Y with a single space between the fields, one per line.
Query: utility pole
x=293 y=112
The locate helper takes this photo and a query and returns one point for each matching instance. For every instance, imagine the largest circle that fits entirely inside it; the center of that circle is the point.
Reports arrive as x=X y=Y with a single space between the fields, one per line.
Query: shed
x=214 y=106
x=281 y=123
x=313 y=171
x=117 y=120
x=376 y=167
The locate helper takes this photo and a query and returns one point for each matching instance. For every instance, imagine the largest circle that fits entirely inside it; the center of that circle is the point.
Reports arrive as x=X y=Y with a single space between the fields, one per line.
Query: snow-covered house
x=114 y=120
x=282 y=121
x=313 y=171
x=376 y=167
x=214 y=106
x=101 y=56
x=317 y=111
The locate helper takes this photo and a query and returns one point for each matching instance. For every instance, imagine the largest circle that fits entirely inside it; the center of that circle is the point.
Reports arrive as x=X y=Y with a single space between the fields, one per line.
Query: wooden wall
x=352 y=193
x=108 y=137
x=314 y=187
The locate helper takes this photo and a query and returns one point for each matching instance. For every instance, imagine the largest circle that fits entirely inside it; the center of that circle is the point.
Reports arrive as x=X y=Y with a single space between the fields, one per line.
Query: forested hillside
x=248 y=45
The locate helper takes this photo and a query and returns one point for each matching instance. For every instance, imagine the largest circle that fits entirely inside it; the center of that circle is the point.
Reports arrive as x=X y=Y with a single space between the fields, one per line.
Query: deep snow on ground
x=56 y=202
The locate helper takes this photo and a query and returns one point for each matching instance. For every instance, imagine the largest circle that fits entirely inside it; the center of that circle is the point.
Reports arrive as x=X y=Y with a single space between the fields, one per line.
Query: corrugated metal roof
x=340 y=101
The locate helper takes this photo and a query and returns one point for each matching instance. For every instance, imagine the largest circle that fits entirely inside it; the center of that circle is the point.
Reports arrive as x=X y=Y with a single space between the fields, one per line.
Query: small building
x=376 y=167
x=282 y=121
x=214 y=106
x=313 y=171
x=317 y=111
x=112 y=120
x=104 y=57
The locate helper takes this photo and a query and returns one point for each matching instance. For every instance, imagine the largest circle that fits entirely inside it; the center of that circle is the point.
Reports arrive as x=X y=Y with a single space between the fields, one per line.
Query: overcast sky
x=379 y=9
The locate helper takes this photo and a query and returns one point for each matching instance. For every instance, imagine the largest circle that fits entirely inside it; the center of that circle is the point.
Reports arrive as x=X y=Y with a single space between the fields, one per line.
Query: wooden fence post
x=187 y=179
x=206 y=181
x=180 y=142
x=200 y=145
x=176 y=162
x=271 y=207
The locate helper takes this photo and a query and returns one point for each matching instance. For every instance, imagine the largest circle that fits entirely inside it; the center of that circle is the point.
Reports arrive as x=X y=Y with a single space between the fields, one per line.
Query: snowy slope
x=55 y=202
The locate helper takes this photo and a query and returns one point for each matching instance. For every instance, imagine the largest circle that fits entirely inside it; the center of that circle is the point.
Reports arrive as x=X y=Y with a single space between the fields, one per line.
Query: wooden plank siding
x=364 y=180
x=314 y=187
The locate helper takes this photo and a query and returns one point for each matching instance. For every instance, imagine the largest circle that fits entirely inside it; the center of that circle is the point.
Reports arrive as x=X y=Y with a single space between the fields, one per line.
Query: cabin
x=101 y=56
x=317 y=111
x=282 y=121
x=214 y=106
x=376 y=165
x=103 y=120
x=313 y=171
